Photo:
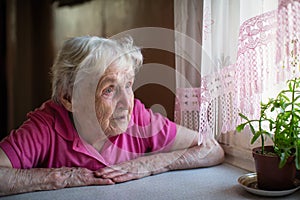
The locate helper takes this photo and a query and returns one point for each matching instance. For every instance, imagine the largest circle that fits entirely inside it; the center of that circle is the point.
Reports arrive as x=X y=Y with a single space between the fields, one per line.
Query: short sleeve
x=159 y=131
x=27 y=146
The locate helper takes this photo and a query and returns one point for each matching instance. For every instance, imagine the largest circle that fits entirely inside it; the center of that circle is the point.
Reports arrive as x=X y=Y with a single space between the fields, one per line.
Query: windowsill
x=238 y=150
x=239 y=157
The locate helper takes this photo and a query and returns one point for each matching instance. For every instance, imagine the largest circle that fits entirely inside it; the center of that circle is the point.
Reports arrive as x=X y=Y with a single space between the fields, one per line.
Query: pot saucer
x=249 y=183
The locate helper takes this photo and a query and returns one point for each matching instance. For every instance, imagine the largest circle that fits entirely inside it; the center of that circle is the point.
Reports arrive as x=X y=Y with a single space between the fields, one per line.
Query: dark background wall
x=27 y=56
x=32 y=30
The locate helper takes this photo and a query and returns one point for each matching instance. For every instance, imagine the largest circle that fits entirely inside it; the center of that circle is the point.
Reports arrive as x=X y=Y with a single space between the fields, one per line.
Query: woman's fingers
x=83 y=176
x=123 y=172
x=102 y=181
x=114 y=174
x=107 y=170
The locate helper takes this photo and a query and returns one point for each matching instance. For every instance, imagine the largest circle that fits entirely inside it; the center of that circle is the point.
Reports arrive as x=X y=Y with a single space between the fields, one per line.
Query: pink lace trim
x=288 y=30
x=214 y=107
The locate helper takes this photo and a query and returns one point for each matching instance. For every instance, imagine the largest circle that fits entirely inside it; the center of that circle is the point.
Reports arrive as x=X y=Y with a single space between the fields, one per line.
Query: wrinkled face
x=114 y=100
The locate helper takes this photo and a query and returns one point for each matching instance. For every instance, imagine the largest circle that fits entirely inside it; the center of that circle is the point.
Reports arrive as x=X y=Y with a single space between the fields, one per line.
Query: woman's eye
x=108 y=91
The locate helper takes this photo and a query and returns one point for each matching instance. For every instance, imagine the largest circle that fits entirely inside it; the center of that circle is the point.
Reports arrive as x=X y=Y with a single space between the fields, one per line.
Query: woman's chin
x=121 y=126
x=115 y=132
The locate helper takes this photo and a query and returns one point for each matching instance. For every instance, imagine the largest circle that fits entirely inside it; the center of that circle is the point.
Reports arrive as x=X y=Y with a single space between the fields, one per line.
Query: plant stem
x=293 y=102
x=262 y=138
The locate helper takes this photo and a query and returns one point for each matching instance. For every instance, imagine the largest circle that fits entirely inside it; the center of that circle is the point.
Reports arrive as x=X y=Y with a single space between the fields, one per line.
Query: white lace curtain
x=232 y=60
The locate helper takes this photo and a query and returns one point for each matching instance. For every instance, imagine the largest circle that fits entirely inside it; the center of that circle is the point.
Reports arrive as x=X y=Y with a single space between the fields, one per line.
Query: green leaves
x=243 y=116
x=283 y=158
x=284 y=125
x=240 y=127
x=256 y=136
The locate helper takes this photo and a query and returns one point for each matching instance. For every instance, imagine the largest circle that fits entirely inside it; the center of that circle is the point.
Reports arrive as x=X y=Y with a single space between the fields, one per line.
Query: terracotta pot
x=269 y=175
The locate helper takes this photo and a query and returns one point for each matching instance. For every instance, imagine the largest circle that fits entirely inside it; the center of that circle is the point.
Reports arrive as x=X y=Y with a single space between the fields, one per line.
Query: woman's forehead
x=115 y=70
x=116 y=73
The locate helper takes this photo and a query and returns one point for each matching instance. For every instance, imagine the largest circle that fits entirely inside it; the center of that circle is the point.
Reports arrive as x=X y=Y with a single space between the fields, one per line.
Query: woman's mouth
x=122 y=118
x=119 y=118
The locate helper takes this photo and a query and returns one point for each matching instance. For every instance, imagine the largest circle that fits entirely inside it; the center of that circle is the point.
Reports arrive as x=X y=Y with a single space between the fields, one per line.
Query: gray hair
x=90 y=54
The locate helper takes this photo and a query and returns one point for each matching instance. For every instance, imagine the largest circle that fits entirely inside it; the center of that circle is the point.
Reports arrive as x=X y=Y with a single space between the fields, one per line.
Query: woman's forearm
x=198 y=156
x=205 y=155
x=14 y=181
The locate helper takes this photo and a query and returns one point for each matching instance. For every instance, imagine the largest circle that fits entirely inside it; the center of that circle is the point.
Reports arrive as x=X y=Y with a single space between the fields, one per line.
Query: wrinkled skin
x=15 y=181
x=114 y=100
x=26 y=180
x=114 y=96
x=111 y=101
x=208 y=154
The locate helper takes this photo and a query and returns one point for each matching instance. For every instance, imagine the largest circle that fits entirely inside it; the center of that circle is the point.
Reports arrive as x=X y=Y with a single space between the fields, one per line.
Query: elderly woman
x=93 y=131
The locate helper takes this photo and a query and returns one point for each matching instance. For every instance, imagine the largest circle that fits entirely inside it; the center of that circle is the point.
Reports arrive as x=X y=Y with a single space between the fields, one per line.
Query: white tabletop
x=219 y=182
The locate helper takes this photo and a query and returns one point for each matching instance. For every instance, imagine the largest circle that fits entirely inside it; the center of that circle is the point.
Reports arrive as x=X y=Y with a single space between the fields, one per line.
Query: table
x=218 y=182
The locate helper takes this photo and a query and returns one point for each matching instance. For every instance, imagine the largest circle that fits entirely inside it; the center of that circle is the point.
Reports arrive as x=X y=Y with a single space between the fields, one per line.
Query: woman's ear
x=66 y=102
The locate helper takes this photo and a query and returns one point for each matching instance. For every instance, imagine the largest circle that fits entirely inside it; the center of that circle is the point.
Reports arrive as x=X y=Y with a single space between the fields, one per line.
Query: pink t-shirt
x=49 y=139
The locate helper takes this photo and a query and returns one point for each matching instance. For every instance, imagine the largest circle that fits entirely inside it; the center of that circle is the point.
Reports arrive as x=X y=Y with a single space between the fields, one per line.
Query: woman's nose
x=124 y=98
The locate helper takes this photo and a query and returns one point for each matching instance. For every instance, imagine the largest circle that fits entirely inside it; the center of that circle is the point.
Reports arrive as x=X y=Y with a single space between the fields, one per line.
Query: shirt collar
x=63 y=123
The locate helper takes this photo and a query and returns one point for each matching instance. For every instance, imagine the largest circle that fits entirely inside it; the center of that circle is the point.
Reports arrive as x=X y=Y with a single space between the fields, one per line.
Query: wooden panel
x=3 y=80
x=29 y=56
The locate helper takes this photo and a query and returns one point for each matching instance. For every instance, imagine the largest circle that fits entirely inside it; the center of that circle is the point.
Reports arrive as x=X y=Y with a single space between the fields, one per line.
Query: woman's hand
x=209 y=153
x=73 y=177
x=135 y=169
x=14 y=181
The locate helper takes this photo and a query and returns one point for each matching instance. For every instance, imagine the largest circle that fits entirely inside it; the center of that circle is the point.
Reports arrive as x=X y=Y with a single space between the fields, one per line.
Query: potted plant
x=279 y=120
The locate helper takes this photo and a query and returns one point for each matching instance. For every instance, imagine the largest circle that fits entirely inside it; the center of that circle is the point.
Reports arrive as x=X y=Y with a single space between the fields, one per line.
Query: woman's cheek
x=104 y=112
